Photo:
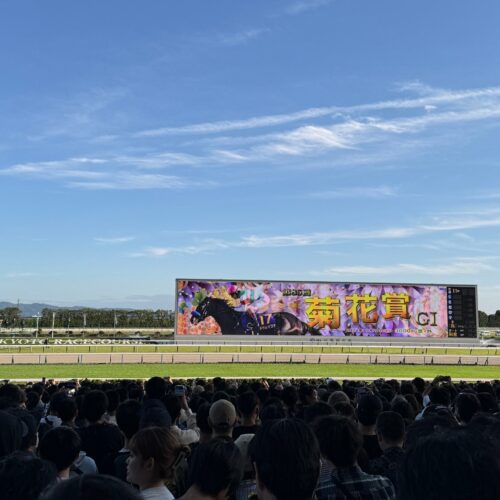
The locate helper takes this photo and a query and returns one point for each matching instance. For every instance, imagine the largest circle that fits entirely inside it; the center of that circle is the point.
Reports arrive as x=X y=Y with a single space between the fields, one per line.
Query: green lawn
x=492 y=351
x=136 y=371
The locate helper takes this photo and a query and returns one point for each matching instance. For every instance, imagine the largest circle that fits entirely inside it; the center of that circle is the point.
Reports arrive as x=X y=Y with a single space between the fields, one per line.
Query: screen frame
x=361 y=283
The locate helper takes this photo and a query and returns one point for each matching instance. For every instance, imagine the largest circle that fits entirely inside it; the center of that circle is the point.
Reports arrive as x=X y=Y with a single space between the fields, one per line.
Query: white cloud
x=306 y=5
x=241 y=37
x=470 y=98
x=133 y=181
x=353 y=192
x=340 y=236
x=464 y=266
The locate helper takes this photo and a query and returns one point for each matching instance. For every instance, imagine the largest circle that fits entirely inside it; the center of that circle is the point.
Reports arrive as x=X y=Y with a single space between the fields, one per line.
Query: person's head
x=95 y=404
x=287 y=460
x=128 y=415
x=433 y=424
x=91 y=487
x=23 y=476
x=340 y=440
x=489 y=403
x=400 y=405
x=368 y=409
x=345 y=410
x=173 y=405
x=154 y=414
x=248 y=405
x=155 y=388
x=466 y=406
x=440 y=395
x=273 y=410
x=153 y=454
x=113 y=401
x=202 y=421
x=316 y=410
x=11 y=433
x=390 y=429
x=60 y=446
x=308 y=394
x=216 y=468
x=222 y=418
x=29 y=424
x=11 y=395
x=338 y=397
x=451 y=465
x=67 y=410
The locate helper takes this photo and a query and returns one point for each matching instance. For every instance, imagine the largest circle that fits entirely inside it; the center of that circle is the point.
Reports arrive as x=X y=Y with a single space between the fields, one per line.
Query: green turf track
x=137 y=371
x=492 y=351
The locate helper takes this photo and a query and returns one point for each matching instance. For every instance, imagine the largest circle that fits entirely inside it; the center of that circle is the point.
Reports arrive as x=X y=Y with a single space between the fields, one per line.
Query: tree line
x=11 y=317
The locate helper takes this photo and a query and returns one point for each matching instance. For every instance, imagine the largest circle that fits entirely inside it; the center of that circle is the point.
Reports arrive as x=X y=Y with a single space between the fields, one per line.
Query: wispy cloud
x=460 y=266
x=241 y=37
x=305 y=5
x=114 y=241
x=441 y=224
x=127 y=181
x=355 y=192
x=361 y=134
x=21 y=275
x=436 y=97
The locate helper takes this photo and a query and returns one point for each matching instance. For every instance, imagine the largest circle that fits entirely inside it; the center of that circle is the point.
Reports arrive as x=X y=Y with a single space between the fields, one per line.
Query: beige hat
x=222 y=414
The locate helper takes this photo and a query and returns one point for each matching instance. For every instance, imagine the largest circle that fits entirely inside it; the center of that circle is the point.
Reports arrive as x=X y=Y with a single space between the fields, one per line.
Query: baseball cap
x=222 y=414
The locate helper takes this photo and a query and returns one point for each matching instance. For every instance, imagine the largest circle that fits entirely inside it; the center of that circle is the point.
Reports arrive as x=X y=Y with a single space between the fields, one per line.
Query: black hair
x=60 y=446
x=391 y=426
x=95 y=404
x=91 y=487
x=128 y=415
x=467 y=405
x=440 y=395
x=24 y=476
x=216 y=466
x=272 y=411
x=368 y=409
x=317 y=410
x=427 y=426
x=246 y=403
x=67 y=409
x=113 y=400
x=11 y=395
x=489 y=404
x=29 y=435
x=202 y=418
x=173 y=405
x=155 y=388
x=339 y=439
x=287 y=459
x=451 y=465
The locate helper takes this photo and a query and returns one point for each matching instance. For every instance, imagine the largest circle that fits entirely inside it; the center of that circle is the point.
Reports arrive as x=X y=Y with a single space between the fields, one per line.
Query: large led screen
x=213 y=307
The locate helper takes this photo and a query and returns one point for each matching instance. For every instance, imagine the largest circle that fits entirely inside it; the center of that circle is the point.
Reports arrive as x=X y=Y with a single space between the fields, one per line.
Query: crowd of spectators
x=272 y=440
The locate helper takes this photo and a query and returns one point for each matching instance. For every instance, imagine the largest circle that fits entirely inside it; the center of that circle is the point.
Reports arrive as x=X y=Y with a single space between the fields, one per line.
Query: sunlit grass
x=137 y=371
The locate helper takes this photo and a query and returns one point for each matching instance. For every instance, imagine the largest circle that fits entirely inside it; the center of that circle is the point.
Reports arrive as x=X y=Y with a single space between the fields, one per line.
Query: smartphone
x=179 y=390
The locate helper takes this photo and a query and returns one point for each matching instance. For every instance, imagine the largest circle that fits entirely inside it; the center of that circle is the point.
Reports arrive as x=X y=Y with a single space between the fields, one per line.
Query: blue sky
x=338 y=140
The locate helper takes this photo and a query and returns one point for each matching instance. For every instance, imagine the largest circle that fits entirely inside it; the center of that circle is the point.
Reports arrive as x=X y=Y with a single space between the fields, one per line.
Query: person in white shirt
x=154 y=451
x=179 y=411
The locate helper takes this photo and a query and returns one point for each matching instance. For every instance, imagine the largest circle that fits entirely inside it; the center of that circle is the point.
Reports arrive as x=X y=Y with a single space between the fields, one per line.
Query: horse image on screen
x=212 y=307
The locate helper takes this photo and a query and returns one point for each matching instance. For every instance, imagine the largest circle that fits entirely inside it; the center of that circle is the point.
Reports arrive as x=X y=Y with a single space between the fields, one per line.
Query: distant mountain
x=28 y=310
